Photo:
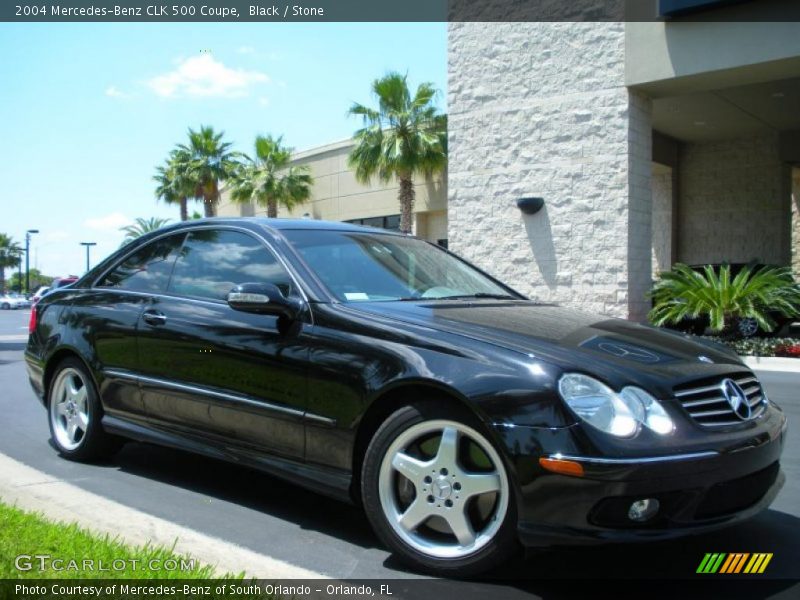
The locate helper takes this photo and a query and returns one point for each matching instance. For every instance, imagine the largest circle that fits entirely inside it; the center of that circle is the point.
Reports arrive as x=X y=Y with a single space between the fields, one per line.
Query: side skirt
x=330 y=482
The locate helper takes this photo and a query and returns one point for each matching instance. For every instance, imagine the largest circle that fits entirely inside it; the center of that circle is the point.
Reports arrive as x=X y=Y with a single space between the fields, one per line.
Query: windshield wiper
x=455 y=297
x=478 y=295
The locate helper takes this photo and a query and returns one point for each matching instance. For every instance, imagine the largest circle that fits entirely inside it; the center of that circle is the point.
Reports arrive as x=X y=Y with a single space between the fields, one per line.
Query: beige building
x=337 y=196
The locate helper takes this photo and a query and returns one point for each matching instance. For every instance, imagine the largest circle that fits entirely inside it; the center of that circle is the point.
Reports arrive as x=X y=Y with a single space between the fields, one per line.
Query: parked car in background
x=60 y=282
x=746 y=327
x=384 y=370
x=39 y=293
x=25 y=302
x=12 y=302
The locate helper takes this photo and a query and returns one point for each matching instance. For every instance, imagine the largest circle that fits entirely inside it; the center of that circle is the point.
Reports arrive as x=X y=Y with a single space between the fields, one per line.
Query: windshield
x=359 y=267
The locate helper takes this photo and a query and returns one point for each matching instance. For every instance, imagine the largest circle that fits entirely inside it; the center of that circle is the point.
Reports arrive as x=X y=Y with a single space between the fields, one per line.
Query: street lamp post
x=19 y=273
x=27 y=259
x=88 y=245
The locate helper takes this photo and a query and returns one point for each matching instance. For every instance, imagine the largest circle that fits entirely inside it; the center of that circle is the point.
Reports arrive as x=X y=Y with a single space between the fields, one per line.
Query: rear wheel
x=437 y=491
x=74 y=414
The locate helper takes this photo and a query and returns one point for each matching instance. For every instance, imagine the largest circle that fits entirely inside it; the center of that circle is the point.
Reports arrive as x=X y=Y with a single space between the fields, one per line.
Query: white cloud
x=204 y=76
x=263 y=101
x=113 y=92
x=246 y=50
x=112 y=221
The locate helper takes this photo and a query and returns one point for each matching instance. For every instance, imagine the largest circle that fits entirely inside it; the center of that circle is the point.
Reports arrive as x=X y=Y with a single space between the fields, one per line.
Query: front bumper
x=697 y=492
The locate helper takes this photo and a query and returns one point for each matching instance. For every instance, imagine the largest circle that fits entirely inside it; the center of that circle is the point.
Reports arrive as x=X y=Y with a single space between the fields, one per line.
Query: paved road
x=279 y=519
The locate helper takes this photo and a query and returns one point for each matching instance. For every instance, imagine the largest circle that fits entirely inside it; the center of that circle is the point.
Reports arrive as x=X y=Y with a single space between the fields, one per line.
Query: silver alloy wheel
x=69 y=409
x=444 y=491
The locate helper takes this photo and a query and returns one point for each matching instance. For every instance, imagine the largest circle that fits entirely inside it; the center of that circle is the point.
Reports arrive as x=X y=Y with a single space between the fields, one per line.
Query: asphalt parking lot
x=276 y=518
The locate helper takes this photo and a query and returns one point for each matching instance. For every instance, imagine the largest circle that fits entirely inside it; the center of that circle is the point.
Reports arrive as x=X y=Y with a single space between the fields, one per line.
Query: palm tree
x=403 y=137
x=209 y=162
x=141 y=226
x=174 y=184
x=751 y=294
x=268 y=180
x=10 y=256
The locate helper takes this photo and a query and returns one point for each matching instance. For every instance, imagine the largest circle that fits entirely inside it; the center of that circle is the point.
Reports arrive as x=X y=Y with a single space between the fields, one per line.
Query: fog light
x=643 y=510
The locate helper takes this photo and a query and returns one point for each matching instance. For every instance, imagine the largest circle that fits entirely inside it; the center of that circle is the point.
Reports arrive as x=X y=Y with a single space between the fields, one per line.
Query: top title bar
x=397 y=10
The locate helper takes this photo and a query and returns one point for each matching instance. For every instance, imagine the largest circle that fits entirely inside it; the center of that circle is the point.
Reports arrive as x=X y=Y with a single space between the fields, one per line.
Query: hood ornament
x=705 y=359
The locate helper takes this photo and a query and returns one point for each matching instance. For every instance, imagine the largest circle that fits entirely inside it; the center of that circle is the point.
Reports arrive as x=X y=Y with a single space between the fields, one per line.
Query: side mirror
x=265 y=299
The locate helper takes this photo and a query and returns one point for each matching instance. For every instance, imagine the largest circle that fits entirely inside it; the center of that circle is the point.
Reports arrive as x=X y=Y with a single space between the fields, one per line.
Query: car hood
x=615 y=348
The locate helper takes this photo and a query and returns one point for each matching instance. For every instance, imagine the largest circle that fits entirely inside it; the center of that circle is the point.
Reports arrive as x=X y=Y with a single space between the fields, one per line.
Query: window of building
x=212 y=262
x=391 y=222
x=147 y=269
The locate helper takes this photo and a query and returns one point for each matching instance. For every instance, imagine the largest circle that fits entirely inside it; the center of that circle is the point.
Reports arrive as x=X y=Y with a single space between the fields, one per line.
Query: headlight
x=620 y=414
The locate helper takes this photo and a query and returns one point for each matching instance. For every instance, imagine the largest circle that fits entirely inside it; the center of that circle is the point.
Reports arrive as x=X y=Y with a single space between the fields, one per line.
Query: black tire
x=5 y=306
x=503 y=542
x=93 y=442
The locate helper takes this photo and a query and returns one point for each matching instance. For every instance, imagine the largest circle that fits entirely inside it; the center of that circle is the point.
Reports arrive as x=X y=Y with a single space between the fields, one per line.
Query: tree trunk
x=2 y=280
x=184 y=210
x=212 y=201
x=272 y=208
x=406 y=196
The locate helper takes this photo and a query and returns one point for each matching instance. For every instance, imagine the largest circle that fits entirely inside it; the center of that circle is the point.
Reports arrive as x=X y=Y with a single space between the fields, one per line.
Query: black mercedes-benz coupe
x=386 y=371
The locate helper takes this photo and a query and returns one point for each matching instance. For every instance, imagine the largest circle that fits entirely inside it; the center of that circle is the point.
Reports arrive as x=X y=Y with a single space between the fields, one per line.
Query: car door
x=108 y=314
x=208 y=370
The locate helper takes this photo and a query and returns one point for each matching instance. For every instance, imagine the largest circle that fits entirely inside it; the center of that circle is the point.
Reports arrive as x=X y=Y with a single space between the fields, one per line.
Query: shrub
x=752 y=294
x=760 y=346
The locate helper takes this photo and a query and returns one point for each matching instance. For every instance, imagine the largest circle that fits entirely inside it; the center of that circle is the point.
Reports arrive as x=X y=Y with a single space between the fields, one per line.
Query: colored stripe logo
x=734 y=562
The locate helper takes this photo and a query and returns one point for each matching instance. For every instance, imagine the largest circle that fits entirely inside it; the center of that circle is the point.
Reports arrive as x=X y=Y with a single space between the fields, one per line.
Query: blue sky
x=89 y=110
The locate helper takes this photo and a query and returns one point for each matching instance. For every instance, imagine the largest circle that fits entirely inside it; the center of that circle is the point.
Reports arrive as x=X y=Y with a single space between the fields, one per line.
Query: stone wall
x=734 y=202
x=662 y=218
x=541 y=109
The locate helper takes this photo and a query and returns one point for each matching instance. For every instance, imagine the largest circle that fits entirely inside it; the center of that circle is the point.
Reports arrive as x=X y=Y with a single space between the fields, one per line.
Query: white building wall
x=541 y=109
x=734 y=202
x=662 y=219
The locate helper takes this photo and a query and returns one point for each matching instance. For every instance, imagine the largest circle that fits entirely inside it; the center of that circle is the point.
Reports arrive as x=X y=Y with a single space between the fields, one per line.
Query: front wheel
x=437 y=491
x=74 y=414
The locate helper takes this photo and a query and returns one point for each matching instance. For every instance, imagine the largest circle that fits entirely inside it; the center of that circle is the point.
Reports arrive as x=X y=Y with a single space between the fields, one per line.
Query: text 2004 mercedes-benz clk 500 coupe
x=381 y=369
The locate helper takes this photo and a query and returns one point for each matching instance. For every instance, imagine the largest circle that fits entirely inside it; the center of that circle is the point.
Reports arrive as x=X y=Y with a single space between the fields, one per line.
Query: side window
x=147 y=269
x=212 y=262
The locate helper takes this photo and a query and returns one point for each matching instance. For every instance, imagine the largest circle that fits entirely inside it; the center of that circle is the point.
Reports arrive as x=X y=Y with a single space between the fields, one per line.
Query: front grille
x=706 y=404
x=737 y=494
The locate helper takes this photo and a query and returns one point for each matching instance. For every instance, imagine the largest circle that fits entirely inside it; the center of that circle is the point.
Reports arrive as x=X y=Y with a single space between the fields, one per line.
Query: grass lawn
x=25 y=533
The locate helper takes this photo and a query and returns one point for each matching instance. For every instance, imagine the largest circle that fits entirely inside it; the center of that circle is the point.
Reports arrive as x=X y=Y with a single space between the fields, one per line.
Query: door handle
x=152 y=317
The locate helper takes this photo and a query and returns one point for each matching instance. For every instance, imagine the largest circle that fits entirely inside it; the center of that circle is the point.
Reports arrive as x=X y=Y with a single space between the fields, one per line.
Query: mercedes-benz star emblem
x=441 y=488
x=631 y=352
x=736 y=398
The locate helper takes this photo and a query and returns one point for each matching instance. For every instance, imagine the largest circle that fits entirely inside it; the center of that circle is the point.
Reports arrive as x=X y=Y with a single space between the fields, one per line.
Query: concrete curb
x=33 y=490
x=773 y=363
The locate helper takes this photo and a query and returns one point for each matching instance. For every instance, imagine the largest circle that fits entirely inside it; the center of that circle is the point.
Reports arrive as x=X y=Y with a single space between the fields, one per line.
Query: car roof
x=283 y=224
x=277 y=224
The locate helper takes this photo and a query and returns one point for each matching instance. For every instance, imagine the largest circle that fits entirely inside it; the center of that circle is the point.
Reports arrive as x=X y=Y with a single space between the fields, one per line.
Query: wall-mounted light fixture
x=530 y=206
